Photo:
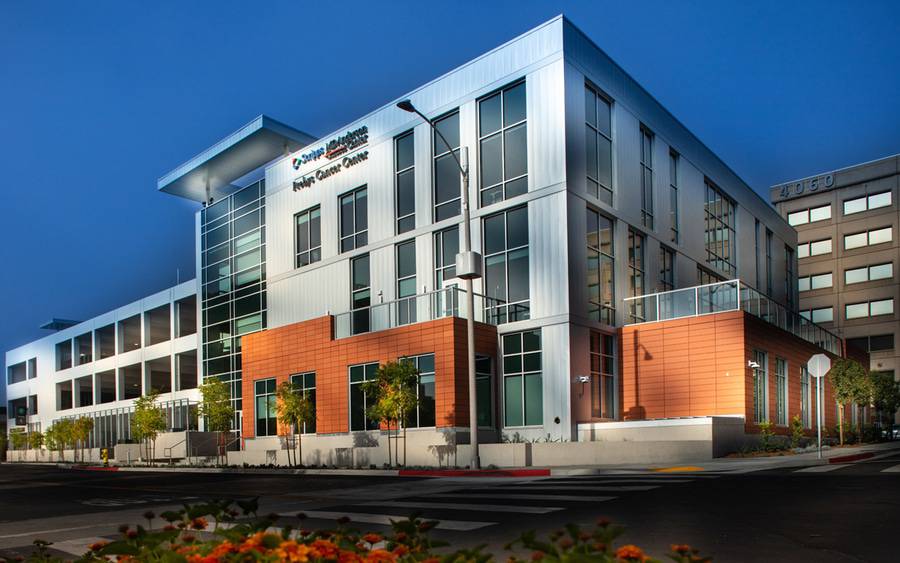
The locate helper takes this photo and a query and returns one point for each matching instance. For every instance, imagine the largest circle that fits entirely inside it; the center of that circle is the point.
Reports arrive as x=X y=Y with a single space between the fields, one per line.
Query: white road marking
x=516 y=496
x=462 y=506
x=822 y=468
x=611 y=488
x=38 y=533
x=611 y=481
x=892 y=469
x=77 y=546
x=386 y=519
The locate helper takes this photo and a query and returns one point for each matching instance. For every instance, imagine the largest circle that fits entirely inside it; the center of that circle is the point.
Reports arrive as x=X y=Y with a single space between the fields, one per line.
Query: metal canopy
x=58 y=324
x=245 y=150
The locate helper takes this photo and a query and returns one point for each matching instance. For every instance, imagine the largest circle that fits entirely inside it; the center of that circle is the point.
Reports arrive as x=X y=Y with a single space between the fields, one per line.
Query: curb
x=852 y=457
x=93 y=468
x=474 y=473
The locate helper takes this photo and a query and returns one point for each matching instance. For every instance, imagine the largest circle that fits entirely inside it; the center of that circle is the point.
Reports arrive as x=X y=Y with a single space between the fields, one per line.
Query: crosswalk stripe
x=608 y=481
x=77 y=546
x=610 y=488
x=386 y=519
x=463 y=506
x=892 y=469
x=518 y=496
x=822 y=468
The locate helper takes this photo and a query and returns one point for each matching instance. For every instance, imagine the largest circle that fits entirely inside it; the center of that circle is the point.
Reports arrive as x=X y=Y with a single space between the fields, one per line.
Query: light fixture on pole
x=468 y=268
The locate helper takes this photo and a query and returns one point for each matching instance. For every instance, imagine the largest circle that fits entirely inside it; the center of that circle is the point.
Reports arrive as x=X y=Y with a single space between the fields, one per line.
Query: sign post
x=818 y=366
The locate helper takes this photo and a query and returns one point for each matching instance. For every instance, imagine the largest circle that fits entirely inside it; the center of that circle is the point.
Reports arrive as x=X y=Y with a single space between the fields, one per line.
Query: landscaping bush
x=254 y=540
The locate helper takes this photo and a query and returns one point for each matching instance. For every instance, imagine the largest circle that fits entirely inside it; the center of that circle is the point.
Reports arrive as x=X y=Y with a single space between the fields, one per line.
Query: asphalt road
x=843 y=513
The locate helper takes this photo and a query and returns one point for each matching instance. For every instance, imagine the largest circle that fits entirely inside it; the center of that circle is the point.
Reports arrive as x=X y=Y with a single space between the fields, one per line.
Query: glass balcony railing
x=732 y=295
x=447 y=302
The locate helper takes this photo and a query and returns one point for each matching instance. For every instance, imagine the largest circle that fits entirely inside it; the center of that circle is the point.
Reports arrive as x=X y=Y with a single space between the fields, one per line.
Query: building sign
x=805 y=187
x=336 y=147
x=329 y=170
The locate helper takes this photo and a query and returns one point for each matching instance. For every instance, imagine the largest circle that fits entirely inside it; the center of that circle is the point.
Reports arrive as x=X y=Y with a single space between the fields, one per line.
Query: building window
x=157 y=325
x=359 y=402
x=309 y=236
x=869 y=309
x=636 y=274
x=522 y=386
x=130 y=334
x=705 y=277
x=64 y=355
x=186 y=316
x=84 y=351
x=811 y=215
x=360 y=294
x=424 y=414
x=756 y=252
x=16 y=373
x=447 y=186
x=820 y=315
x=354 y=219
x=789 y=276
x=760 y=385
x=32 y=405
x=720 y=230
x=869 y=273
x=105 y=341
x=405 y=180
x=873 y=343
x=865 y=203
x=666 y=269
x=769 y=262
x=502 y=143
x=781 y=391
x=598 y=144
x=805 y=411
x=603 y=384
x=406 y=282
x=646 y=177
x=64 y=395
x=674 y=161
x=868 y=238
x=446 y=247
x=814 y=248
x=32 y=368
x=506 y=264
x=266 y=415
x=106 y=387
x=600 y=268
x=305 y=383
x=484 y=382
x=817 y=281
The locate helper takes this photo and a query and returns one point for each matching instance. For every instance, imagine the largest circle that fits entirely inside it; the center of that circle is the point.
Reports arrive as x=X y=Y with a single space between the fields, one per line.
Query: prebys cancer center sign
x=333 y=149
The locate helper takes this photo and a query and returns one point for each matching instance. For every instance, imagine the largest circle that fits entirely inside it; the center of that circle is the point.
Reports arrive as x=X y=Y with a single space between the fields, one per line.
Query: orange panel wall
x=308 y=346
x=698 y=366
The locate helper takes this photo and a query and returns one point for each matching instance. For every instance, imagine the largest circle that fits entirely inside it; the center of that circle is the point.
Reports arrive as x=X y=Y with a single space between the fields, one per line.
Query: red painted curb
x=94 y=468
x=852 y=457
x=474 y=473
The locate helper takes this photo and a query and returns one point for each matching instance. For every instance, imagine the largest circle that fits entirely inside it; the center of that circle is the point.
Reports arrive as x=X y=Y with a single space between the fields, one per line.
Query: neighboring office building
x=97 y=368
x=848 y=253
x=318 y=265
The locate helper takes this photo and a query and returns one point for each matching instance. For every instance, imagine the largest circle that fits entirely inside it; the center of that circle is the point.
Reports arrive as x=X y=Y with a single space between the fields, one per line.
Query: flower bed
x=225 y=531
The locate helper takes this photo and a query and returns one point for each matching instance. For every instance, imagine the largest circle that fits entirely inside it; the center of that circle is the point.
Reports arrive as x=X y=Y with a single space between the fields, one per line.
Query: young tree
x=147 y=422
x=35 y=440
x=82 y=428
x=294 y=409
x=18 y=439
x=216 y=408
x=885 y=398
x=395 y=392
x=850 y=384
x=58 y=436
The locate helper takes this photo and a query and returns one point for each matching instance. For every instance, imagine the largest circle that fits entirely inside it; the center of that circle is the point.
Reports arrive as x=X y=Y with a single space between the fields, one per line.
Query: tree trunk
x=299 y=448
x=397 y=439
x=841 y=423
x=404 y=446
x=388 y=422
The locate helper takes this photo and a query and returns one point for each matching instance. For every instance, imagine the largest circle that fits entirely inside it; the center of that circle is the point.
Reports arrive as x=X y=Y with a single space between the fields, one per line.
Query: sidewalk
x=719 y=465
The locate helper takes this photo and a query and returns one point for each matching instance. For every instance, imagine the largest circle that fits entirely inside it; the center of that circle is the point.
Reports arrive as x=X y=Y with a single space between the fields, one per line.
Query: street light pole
x=468 y=267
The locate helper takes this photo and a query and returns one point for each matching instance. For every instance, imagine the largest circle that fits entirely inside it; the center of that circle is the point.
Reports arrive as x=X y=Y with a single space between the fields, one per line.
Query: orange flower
x=292 y=551
x=630 y=553
x=682 y=549
x=380 y=556
x=401 y=550
x=372 y=538
x=199 y=523
x=537 y=555
x=323 y=549
x=97 y=546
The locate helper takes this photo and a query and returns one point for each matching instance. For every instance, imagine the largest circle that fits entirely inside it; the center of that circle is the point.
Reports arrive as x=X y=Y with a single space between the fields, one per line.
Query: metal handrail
x=427 y=306
x=719 y=297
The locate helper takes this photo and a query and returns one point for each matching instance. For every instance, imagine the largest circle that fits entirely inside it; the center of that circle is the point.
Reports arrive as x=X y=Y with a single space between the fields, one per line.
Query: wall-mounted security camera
x=752 y=365
x=582 y=379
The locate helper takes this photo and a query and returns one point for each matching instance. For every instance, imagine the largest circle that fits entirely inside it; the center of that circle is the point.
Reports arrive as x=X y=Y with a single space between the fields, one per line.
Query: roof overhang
x=253 y=145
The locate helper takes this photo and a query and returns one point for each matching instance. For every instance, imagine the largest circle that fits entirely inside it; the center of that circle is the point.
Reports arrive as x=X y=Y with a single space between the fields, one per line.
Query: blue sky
x=99 y=99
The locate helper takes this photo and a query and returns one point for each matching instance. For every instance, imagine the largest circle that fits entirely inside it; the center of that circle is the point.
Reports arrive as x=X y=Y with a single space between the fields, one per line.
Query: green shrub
x=796 y=431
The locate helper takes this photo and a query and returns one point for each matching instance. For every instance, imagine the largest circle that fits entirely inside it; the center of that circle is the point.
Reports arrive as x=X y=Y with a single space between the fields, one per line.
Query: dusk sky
x=99 y=99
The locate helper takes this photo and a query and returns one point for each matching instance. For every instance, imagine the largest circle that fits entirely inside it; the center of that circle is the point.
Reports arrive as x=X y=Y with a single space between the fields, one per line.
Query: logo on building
x=809 y=185
x=330 y=170
x=336 y=147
